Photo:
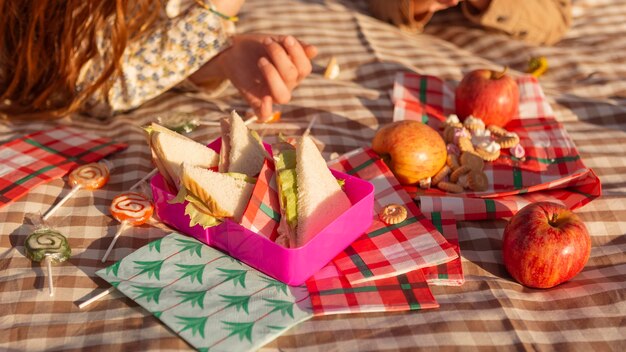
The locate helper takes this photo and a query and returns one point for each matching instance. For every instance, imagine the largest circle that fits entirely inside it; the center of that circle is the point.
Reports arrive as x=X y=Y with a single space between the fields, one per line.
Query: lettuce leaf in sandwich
x=310 y=196
x=213 y=196
x=286 y=182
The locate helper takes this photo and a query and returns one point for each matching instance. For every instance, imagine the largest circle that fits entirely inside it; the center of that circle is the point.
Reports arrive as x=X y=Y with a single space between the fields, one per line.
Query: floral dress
x=185 y=37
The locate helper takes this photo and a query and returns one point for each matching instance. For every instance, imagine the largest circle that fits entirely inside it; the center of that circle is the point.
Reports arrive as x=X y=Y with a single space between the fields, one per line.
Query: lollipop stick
x=148 y=176
x=63 y=200
x=96 y=297
x=117 y=234
x=253 y=119
x=50 y=285
x=307 y=131
x=208 y=123
x=215 y=123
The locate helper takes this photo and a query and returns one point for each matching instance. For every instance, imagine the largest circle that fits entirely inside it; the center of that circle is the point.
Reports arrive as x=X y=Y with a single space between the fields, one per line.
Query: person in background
x=110 y=56
x=540 y=22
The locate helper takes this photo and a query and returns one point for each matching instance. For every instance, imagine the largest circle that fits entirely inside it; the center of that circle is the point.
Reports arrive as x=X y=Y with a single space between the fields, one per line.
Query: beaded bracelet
x=210 y=8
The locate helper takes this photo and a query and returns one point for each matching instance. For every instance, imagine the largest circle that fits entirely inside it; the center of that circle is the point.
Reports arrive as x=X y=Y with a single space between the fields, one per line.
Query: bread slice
x=223 y=195
x=171 y=149
x=241 y=152
x=320 y=198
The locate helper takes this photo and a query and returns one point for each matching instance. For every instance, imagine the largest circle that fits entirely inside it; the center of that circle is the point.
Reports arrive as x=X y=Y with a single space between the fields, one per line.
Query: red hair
x=45 y=43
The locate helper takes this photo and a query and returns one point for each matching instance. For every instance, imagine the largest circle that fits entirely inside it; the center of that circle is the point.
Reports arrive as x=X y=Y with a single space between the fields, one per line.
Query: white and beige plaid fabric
x=585 y=85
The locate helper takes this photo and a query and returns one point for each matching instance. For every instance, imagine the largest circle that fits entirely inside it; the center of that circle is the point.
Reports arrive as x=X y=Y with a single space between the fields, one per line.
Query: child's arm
x=534 y=21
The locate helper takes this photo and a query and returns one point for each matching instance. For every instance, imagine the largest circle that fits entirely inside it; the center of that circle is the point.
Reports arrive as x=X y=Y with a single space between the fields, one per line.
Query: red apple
x=489 y=95
x=545 y=244
x=416 y=150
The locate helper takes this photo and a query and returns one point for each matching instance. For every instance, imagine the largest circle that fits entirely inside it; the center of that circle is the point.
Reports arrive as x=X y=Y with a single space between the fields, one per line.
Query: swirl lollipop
x=129 y=208
x=89 y=176
x=49 y=245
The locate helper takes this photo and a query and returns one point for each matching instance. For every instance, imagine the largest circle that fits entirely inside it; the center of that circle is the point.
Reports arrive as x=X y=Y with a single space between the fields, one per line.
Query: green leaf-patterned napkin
x=211 y=300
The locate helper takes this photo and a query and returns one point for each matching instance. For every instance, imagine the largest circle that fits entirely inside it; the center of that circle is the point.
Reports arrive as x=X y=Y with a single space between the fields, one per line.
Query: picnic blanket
x=584 y=85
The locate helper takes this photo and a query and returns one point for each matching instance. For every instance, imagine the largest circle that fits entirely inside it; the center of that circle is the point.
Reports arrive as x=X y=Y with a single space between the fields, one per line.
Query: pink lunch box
x=292 y=266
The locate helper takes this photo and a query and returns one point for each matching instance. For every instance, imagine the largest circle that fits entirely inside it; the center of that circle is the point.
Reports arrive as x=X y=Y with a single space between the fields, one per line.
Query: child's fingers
x=298 y=57
x=282 y=62
x=310 y=50
x=279 y=91
x=266 y=109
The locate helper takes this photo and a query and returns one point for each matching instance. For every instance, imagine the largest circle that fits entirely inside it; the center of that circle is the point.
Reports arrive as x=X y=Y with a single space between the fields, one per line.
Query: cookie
x=465 y=144
x=448 y=134
x=454 y=176
x=473 y=124
x=452 y=119
x=497 y=131
x=477 y=181
x=462 y=181
x=450 y=187
x=488 y=151
x=453 y=161
x=393 y=214
x=487 y=156
x=509 y=140
x=472 y=161
x=441 y=175
x=481 y=136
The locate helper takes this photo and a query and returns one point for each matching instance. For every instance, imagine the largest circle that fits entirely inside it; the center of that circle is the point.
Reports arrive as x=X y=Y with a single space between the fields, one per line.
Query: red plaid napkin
x=387 y=251
x=450 y=273
x=47 y=155
x=332 y=293
x=263 y=211
x=552 y=170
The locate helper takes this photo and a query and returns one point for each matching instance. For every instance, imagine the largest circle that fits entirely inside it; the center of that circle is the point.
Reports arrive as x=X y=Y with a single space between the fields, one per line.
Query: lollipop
x=48 y=245
x=89 y=176
x=131 y=209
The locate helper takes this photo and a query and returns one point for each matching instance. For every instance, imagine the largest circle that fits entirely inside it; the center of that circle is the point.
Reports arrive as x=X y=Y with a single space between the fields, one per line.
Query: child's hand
x=265 y=69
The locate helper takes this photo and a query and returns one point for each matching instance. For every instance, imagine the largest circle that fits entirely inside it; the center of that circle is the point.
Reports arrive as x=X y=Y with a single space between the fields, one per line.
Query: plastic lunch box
x=292 y=266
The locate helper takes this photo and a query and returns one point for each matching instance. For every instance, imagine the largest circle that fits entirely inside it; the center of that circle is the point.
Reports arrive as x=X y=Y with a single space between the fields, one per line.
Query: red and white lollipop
x=89 y=176
x=129 y=208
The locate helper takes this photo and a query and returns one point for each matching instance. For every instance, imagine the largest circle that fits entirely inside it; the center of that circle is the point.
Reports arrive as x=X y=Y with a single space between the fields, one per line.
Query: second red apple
x=489 y=95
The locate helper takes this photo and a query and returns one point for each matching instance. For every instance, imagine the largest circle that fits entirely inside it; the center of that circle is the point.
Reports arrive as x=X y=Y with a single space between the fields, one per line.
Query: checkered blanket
x=43 y=156
x=552 y=169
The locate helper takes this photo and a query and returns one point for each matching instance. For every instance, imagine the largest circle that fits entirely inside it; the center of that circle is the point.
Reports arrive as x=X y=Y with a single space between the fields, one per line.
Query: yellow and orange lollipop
x=89 y=176
x=129 y=208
